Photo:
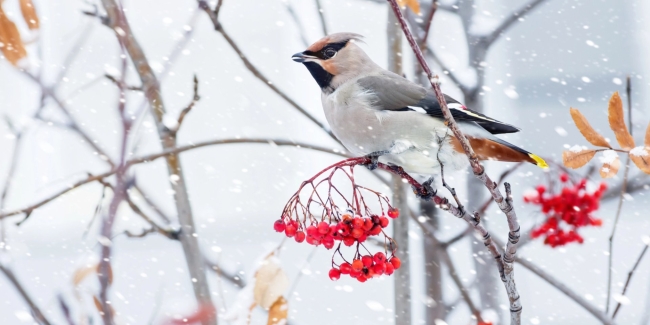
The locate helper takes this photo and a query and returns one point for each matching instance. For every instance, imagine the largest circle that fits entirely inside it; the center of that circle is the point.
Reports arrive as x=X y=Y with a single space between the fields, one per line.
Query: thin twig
x=36 y=312
x=232 y=278
x=296 y=20
x=189 y=107
x=618 y=210
x=459 y=284
x=448 y=72
x=629 y=278
x=321 y=15
x=257 y=73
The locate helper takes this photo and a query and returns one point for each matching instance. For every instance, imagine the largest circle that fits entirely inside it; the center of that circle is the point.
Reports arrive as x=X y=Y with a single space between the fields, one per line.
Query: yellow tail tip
x=538 y=160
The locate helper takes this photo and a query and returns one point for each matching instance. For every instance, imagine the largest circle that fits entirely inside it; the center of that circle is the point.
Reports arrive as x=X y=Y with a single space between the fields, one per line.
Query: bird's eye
x=330 y=53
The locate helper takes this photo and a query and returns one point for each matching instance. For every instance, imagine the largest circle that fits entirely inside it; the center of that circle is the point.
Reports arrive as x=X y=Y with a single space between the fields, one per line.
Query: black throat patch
x=322 y=77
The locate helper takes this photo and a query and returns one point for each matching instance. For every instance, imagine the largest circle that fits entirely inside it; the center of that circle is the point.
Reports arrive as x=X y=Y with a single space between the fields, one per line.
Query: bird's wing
x=392 y=92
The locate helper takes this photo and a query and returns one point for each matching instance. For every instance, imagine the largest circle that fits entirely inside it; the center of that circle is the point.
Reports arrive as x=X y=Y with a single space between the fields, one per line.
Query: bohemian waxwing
x=375 y=112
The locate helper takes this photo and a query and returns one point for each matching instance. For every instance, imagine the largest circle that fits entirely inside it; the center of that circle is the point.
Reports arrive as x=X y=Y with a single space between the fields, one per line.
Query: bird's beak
x=302 y=57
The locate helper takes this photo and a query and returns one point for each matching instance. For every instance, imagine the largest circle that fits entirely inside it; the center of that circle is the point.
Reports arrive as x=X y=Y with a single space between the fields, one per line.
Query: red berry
x=328 y=242
x=389 y=269
x=279 y=225
x=383 y=222
x=313 y=240
x=356 y=233
x=379 y=268
x=564 y=178
x=355 y=273
x=346 y=268
x=357 y=265
x=376 y=230
x=335 y=274
x=300 y=237
x=379 y=257
x=362 y=238
x=366 y=260
x=348 y=241
x=323 y=227
x=396 y=262
x=393 y=213
x=313 y=231
x=367 y=224
x=362 y=278
x=290 y=230
x=357 y=223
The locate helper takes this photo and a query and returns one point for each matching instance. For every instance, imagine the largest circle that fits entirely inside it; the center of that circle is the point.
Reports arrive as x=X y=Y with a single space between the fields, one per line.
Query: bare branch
x=115 y=81
x=296 y=20
x=448 y=72
x=629 y=278
x=23 y=293
x=510 y=20
x=321 y=15
x=459 y=284
x=232 y=278
x=257 y=73
x=189 y=107
x=593 y=310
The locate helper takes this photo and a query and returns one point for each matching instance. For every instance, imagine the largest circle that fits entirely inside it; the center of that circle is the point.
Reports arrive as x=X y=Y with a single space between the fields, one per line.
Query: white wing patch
x=461 y=108
x=417 y=109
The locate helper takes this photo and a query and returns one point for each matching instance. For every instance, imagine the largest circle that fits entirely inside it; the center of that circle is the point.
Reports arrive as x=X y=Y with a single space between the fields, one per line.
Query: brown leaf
x=617 y=122
x=279 y=312
x=576 y=158
x=29 y=14
x=270 y=283
x=10 y=43
x=641 y=158
x=647 y=136
x=587 y=131
x=81 y=273
x=414 y=5
x=98 y=305
x=610 y=169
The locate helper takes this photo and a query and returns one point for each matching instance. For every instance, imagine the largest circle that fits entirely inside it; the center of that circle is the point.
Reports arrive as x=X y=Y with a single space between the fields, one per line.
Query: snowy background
x=566 y=53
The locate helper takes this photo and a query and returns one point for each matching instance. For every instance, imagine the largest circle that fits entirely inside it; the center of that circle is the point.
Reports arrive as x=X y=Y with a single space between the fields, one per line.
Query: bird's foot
x=374 y=159
x=426 y=192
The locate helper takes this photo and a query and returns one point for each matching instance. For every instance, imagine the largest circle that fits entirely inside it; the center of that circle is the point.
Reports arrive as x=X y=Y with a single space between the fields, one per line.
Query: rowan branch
x=189 y=107
x=464 y=292
x=629 y=278
x=445 y=69
x=296 y=20
x=505 y=204
x=321 y=15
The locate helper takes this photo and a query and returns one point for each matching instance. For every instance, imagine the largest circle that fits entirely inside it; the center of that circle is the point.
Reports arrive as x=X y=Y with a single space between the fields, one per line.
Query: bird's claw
x=374 y=162
x=426 y=191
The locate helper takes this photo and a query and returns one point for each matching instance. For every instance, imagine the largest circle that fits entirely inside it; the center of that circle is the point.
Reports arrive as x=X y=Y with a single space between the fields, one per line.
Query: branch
x=565 y=290
x=172 y=151
x=296 y=20
x=36 y=312
x=448 y=72
x=321 y=15
x=232 y=278
x=463 y=291
x=629 y=278
x=256 y=72
x=510 y=20
x=505 y=204
x=189 y=107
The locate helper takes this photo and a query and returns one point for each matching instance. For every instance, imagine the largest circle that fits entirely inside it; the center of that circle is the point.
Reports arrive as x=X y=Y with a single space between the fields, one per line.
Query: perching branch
x=505 y=204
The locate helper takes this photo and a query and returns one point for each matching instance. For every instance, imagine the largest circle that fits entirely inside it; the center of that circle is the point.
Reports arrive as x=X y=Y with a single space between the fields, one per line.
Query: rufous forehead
x=319 y=44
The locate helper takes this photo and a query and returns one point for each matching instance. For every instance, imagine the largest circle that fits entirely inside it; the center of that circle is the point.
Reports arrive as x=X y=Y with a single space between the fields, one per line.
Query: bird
x=379 y=114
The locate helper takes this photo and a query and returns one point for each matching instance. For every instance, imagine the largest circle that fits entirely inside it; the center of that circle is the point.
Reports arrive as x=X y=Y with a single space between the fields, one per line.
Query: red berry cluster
x=566 y=211
x=365 y=267
x=347 y=230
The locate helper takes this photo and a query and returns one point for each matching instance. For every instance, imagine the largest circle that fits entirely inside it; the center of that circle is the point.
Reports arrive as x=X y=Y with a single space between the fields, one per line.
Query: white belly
x=364 y=130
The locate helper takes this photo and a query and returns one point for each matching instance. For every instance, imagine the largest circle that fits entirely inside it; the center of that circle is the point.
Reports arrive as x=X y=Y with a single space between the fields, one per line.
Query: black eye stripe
x=322 y=53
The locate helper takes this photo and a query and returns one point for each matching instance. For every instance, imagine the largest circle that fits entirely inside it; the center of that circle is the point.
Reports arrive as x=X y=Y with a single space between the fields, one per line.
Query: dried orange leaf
x=577 y=157
x=81 y=273
x=587 y=131
x=611 y=164
x=10 y=43
x=279 y=312
x=414 y=5
x=617 y=122
x=641 y=158
x=29 y=14
x=270 y=283
x=98 y=304
x=647 y=136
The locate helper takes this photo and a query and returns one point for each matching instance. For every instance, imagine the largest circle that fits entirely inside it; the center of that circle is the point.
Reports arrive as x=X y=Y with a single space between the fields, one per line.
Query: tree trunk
x=402 y=276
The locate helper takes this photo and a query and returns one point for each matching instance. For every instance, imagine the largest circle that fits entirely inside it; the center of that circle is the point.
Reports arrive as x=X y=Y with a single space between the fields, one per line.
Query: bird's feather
x=395 y=93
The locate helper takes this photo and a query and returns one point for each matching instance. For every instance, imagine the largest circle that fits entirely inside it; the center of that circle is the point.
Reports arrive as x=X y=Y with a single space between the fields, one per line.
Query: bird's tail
x=497 y=149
